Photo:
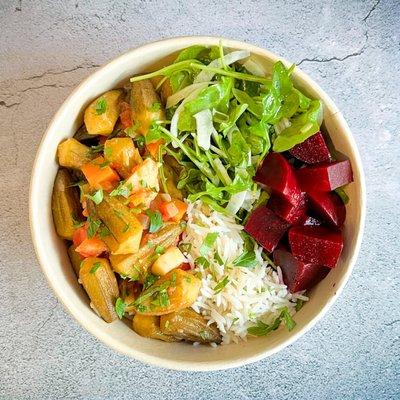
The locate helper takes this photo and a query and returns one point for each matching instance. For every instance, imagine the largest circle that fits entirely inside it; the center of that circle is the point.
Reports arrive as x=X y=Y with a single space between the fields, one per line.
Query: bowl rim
x=189 y=365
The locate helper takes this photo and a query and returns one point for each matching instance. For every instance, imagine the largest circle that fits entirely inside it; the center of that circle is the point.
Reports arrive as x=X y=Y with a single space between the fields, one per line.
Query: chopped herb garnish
x=101 y=106
x=104 y=231
x=203 y=335
x=104 y=164
x=95 y=267
x=120 y=307
x=287 y=319
x=96 y=149
x=159 y=250
x=132 y=130
x=208 y=243
x=155 y=106
x=156 y=220
x=121 y=190
x=143 y=183
x=185 y=247
x=150 y=279
x=218 y=258
x=299 y=304
x=247 y=260
x=126 y=228
x=221 y=284
x=141 y=308
x=108 y=152
x=94 y=225
x=202 y=261
x=262 y=329
x=140 y=142
x=97 y=197
x=164 y=298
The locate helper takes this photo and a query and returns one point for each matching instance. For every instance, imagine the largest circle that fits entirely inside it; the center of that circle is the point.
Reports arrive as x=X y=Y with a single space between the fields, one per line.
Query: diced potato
x=122 y=154
x=146 y=105
x=73 y=154
x=125 y=229
x=145 y=175
x=102 y=114
x=188 y=325
x=101 y=286
x=136 y=266
x=172 y=292
x=75 y=259
x=149 y=326
x=171 y=259
x=65 y=204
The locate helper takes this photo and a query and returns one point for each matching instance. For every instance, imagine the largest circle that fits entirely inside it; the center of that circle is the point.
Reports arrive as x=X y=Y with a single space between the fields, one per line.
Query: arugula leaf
x=120 y=306
x=208 y=243
x=101 y=106
x=243 y=98
x=97 y=197
x=239 y=149
x=221 y=284
x=246 y=259
x=156 y=220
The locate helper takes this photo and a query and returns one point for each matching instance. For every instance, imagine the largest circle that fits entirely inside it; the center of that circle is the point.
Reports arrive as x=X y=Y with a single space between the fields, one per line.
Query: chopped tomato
x=181 y=207
x=153 y=148
x=79 y=235
x=156 y=203
x=91 y=247
x=168 y=210
x=99 y=174
x=185 y=266
x=125 y=115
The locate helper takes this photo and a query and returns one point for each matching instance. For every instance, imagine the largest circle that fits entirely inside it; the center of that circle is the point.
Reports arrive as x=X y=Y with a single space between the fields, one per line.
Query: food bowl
x=52 y=254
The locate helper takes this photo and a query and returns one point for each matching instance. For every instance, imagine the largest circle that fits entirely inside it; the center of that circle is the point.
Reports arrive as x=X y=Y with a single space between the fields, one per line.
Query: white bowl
x=51 y=250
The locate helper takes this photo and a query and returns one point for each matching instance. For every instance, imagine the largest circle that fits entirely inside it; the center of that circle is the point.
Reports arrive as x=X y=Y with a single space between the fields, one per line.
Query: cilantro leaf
x=208 y=243
x=101 y=106
x=221 y=284
x=95 y=267
x=122 y=190
x=97 y=197
x=120 y=306
x=246 y=259
x=94 y=225
x=156 y=221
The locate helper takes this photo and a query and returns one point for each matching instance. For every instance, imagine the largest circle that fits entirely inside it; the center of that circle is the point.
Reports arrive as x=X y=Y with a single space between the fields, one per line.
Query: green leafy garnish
x=120 y=306
x=93 y=226
x=262 y=329
x=103 y=232
x=150 y=279
x=95 y=267
x=122 y=189
x=155 y=106
x=208 y=243
x=221 y=284
x=101 y=106
x=299 y=304
x=97 y=197
x=202 y=261
x=107 y=152
x=156 y=221
x=246 y=259
x=159 y=250
x=185 y=247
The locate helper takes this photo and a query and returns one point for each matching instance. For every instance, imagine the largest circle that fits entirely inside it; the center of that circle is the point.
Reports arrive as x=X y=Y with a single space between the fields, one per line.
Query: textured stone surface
x=351 y=48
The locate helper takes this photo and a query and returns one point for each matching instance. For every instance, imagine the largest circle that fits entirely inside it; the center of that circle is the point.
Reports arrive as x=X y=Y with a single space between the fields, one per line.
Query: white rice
x=251 y=294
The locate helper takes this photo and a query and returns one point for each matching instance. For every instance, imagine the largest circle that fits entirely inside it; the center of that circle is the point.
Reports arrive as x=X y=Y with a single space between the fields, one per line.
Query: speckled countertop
x=351 y=48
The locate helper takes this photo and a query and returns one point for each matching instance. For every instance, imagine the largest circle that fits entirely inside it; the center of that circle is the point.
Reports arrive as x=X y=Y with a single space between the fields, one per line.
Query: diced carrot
x=185 y=266
x=168 y=210
x=79 y=235
x=99 y=174
x=182 y=208
x=91 y=247
x=125 y=115
x=153 y=148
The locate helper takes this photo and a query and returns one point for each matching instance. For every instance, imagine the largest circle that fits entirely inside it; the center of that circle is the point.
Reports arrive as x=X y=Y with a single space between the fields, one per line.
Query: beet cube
x=316 y=245
x=313 y=150
x=325 y=177
x=266 y=227
x=298 y=275
x=329 y=207
x=291 y=213
x=276 y=173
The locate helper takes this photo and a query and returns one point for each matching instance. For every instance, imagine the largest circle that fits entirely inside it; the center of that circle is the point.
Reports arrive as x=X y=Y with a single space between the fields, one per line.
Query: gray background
x=351 y=48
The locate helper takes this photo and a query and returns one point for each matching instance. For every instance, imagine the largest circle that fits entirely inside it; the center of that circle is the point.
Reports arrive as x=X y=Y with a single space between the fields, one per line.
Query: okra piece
x=100 y=284
x=65 y=205
x=188 y=325
x=73 y=154
x=75 y=259
x=149 y=326
x=136 y=266
x=125 y=229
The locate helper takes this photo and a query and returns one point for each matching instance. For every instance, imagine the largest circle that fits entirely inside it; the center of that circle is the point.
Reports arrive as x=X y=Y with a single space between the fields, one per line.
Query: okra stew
x=203 y=200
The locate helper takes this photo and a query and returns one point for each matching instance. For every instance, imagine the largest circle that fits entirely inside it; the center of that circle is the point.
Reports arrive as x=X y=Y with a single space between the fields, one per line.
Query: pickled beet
x=276 y=173
x=316 y=245
x=298 y=275
x=329 y=207
x=291 y=213
x=266 y=227
x=313 y=150
x=325 y=177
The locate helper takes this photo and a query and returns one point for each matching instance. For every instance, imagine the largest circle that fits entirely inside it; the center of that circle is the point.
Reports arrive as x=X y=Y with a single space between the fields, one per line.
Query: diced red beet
x=276 y=173
x=325 y=177
x=266 y=227
x=298 y=275
x=316 y=245
x=310 y=221
x=313 y=150
x=289 y=212
x=329 y=207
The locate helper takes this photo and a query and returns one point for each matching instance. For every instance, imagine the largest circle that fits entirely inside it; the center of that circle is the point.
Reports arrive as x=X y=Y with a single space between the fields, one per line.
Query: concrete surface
x=349 y=47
